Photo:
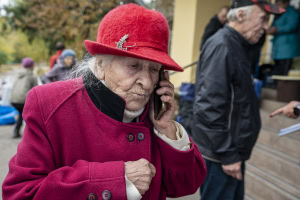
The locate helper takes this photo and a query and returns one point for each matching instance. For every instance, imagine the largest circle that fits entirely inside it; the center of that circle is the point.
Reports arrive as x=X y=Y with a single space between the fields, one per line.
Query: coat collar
x=106 y=100
x=237 y=36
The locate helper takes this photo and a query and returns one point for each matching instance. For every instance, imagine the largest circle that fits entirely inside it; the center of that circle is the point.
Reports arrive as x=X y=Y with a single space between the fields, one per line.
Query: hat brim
x=269 y=7
x=145 y=53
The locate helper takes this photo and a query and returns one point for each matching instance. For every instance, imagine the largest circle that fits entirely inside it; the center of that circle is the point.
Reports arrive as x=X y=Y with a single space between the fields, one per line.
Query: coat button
x=130 y=137
x=92 y=196
x=141 y=136
x=106 y=195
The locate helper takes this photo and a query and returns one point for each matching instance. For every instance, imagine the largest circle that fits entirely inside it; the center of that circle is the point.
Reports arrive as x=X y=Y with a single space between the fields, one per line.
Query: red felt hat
x=134 y=31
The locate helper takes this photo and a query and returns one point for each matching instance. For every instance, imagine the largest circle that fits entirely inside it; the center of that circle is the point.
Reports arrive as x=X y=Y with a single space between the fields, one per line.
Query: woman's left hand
x=164 y=123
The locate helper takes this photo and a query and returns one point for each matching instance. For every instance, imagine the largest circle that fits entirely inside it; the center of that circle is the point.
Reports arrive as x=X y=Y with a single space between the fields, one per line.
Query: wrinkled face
x=222 y=15
x=132 y=79
x=69 y=61
x=256 y=24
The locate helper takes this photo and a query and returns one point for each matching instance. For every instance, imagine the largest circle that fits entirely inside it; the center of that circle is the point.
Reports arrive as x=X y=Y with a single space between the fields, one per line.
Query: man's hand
x=287 y=110
x=140 y=173
x=234 y=170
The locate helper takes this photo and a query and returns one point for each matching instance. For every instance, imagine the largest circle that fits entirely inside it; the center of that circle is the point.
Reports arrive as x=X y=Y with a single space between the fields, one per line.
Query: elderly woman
x=95 y=136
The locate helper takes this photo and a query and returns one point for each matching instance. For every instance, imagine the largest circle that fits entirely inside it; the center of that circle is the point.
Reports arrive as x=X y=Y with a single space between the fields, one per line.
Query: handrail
x=185 y=67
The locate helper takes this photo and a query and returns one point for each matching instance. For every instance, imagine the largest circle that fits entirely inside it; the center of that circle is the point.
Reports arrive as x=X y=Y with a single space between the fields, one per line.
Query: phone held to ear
x=157 y=101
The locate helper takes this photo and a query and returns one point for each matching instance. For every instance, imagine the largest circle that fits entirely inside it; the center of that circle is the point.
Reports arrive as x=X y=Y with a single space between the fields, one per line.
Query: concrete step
x=260 y=185
x=276 y=164
x=248 y=197
x=268 y=93
x=270 y=105
x=284 y=144
x=279 y=122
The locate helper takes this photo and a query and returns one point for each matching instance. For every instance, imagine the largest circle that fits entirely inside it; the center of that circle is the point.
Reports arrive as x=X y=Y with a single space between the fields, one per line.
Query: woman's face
x=132 y=79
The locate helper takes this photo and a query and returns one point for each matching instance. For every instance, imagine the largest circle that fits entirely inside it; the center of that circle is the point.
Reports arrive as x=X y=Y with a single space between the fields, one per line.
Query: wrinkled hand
x=140 y=173
x=234 y=170
x=287 y=110
x=164 y=124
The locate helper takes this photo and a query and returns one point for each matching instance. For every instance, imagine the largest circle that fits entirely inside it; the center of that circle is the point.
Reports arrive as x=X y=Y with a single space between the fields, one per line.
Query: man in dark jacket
x=226 y=119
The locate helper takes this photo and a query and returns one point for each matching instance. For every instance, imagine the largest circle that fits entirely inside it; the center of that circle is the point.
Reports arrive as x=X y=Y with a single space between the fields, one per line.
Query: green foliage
x=15 y=45
x=57 y=20
x=3 y=58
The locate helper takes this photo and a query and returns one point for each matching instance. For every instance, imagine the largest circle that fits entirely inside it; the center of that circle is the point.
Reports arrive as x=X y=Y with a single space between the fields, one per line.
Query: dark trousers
x=219 y=186
x=19 y=121
x=282 y=67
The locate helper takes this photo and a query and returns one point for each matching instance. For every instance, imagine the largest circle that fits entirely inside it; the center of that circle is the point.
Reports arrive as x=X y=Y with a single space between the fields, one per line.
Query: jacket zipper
x=231 y=107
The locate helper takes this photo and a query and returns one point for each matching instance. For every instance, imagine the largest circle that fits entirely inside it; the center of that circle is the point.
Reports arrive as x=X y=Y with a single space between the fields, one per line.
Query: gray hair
x=232 y=14
x=88 y=66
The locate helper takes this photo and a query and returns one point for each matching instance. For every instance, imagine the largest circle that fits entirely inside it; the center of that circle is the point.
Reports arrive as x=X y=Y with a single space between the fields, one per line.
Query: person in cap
x=226 y=119
x=62 y=68
x=286 y=41
x=96 y=136
x=59 y=49
x=25 y=80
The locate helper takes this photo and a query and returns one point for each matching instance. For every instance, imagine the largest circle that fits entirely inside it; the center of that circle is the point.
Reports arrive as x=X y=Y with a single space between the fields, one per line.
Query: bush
x=3 y=58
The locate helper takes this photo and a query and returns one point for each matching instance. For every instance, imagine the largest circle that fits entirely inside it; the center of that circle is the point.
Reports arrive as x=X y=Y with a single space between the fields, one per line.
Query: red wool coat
x=70 y=149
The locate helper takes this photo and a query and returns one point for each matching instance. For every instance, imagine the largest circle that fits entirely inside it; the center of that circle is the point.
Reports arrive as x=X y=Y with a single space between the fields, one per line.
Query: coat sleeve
x=289 y=24
x=211 y=28
x=48 y=77
x=212 y=103
x=33 y=174
x=183 y=171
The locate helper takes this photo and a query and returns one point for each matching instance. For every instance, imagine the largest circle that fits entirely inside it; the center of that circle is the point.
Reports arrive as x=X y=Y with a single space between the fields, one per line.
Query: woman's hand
x=164 y=123
x=140 y=173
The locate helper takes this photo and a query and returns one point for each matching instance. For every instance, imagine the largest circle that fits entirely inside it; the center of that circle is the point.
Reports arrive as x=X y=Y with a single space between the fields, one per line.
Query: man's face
x=256 y=24
x=222 y=15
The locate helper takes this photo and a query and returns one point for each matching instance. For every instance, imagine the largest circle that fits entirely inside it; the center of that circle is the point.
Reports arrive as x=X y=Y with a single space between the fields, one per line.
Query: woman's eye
x=134 y=66
x=154 y=69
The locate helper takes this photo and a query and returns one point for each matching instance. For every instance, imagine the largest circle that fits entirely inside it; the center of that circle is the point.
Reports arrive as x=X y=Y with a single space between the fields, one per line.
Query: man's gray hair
x=232 y=14
x=89 y=64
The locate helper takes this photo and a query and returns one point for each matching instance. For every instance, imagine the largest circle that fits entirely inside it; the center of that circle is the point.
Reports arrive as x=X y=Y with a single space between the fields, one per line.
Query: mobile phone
x=157 y=101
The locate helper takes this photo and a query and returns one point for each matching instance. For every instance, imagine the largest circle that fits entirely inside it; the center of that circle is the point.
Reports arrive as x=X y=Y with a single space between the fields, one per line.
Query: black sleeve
x=211 y=28
x=212 y=105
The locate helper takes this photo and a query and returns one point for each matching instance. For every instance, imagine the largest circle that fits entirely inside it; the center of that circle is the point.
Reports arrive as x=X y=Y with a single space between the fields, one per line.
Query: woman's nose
x=145 y=79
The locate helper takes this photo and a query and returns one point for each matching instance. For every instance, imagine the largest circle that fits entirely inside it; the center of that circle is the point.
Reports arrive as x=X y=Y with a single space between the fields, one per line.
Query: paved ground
x=8 y=147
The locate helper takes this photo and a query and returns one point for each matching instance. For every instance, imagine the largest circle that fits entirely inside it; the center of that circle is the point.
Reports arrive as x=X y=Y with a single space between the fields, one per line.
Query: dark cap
x=264 y=4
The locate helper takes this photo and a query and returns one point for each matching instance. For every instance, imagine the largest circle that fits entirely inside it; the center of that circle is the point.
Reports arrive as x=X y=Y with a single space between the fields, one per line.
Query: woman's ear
x=99 y=70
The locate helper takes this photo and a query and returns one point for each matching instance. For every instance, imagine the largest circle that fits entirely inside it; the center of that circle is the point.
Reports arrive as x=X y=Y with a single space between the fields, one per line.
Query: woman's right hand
x=140 y=173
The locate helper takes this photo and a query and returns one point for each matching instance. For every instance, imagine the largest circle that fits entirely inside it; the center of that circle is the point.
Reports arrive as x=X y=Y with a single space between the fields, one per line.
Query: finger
x=227 y=172
x=276 y=112
x=165 y=91
x=143 y=161
x=238 y=175
x=166 y=83
x=167 y=99
x=153 y=169
x=167 y=115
